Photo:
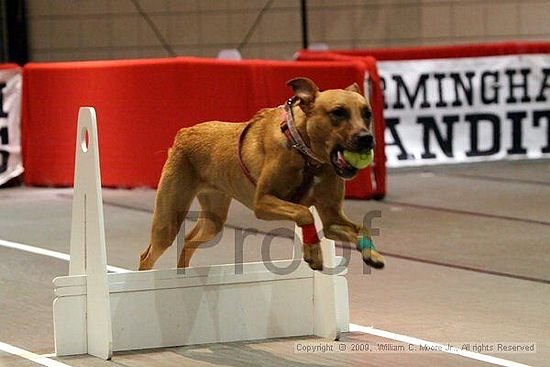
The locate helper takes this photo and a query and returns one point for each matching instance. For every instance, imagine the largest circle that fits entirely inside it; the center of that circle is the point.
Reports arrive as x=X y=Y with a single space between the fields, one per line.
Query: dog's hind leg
x=214 y=205
x=177 y=188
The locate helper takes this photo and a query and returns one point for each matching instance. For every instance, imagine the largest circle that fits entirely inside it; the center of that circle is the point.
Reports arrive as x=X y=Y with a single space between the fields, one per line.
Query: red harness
x=312 y=162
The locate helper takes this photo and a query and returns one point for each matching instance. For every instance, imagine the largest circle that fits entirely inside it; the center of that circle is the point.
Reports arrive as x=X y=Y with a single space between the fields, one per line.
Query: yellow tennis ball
x=359 y=160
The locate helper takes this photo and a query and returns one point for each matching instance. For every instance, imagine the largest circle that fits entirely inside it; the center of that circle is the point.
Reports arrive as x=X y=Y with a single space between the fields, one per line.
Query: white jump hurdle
x=96 y=312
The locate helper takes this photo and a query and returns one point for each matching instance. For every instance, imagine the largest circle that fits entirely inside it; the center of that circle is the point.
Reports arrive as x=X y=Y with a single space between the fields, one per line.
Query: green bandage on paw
x=359 y=160
x=365 y=242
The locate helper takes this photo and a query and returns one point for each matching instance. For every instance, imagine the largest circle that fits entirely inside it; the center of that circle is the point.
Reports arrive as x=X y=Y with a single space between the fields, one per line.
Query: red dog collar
x=312 y=162
x=293 y=136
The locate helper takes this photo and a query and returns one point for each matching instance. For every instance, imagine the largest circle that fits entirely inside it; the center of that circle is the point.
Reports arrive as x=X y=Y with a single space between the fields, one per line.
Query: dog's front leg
x=338 y=227
x=269 y=207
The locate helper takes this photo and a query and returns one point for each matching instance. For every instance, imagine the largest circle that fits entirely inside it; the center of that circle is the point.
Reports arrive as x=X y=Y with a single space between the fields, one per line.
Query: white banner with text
x=466 y=109
x=10 y=120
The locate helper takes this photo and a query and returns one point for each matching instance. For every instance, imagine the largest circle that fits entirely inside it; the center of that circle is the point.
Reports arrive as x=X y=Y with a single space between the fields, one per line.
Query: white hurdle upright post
x=331 y=308
x=88 y=248
x=97 y=313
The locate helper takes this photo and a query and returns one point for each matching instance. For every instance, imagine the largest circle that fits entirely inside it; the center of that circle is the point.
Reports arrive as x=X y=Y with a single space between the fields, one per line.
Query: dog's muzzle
x=363 y=141
x=341 y=166
x=360 y=142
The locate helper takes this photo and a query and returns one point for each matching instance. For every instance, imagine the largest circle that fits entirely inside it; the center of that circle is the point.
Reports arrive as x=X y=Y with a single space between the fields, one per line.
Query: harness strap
x=240 y=155
x=308 y=176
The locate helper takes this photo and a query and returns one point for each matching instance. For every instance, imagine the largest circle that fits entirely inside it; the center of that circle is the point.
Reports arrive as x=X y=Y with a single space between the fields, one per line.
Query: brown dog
x=266 y=166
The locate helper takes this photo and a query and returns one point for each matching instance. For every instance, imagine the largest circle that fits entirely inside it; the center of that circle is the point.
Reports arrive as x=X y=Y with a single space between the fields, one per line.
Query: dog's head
x=336 y=119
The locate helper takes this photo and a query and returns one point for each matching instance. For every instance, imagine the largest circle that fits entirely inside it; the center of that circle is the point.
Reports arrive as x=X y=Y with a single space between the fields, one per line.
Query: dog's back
x=211 y=149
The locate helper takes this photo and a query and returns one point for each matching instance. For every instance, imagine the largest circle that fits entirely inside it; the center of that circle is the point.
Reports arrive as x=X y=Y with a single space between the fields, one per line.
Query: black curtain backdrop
x=13 y=32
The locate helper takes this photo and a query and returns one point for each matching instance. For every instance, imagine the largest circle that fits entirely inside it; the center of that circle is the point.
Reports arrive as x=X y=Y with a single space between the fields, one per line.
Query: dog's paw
x=316 y=265
x=313 y=256
x=369 y=253
x=373 y=258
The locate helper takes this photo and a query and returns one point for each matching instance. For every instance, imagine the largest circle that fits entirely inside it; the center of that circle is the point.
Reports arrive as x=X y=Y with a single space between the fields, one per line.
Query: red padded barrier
x=141 y=104
x=442 y=52
x=8 y=66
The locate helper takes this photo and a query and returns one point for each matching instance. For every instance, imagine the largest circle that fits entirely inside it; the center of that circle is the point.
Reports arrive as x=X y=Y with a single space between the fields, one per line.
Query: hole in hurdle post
x=84 y=140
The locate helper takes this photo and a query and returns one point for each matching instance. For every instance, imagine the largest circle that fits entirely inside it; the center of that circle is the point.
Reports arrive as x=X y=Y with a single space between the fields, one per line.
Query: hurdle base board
x=165 y=308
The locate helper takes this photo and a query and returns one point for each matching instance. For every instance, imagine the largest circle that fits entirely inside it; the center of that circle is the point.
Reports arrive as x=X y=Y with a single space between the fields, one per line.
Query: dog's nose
x=364 y=140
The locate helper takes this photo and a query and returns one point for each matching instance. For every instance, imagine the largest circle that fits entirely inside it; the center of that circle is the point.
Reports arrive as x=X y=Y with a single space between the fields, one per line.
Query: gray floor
x=467 y=250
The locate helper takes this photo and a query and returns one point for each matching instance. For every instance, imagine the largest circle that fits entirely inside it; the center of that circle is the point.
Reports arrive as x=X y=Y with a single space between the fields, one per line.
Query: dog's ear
x=306 y=90
x=354 y=88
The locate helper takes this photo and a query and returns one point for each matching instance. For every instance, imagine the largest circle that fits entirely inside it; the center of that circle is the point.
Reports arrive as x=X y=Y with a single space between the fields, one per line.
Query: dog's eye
x=367 y=114
x=339 y=113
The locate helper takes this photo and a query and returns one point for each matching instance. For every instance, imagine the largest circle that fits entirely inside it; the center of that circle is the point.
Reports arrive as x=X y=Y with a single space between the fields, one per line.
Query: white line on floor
x=42 y=360
x=50 y=253
x=443 y=348
x=48 y=355
x=352 y=327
